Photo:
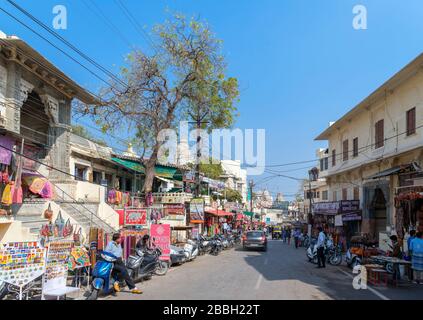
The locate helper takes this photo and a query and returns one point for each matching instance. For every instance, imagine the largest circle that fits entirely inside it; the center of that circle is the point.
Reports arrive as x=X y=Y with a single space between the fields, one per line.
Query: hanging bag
x=68 y=229
x=77 y=236
x=48 y=213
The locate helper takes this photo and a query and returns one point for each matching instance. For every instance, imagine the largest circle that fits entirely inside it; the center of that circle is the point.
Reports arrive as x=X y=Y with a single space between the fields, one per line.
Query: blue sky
x=300 y=63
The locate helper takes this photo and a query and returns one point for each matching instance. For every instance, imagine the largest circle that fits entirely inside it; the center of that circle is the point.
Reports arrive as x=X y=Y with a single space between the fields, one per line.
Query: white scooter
x=190 y=250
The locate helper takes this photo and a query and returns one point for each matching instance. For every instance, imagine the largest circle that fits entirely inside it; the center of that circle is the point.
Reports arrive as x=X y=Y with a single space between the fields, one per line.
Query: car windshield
x=255 y=234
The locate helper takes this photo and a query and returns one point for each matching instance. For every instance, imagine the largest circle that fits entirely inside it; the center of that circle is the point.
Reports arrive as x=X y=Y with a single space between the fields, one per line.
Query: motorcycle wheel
x=335 y=259
x=389 y=267
x=162 y=268
x=93 y=295
x=314 y=260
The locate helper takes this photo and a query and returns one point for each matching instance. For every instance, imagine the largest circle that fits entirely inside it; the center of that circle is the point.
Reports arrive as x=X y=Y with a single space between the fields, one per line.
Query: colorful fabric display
x=7 y=197
x=6 y=154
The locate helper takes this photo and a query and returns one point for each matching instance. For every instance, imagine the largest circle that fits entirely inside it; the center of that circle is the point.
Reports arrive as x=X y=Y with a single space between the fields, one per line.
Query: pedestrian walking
x=288 y=236
x=321 y=240
x=296 y=238
x=410 y=253
x=417 y=259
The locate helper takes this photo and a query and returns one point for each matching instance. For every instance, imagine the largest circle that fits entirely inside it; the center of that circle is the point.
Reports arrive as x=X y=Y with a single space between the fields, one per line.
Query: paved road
x=280 y=273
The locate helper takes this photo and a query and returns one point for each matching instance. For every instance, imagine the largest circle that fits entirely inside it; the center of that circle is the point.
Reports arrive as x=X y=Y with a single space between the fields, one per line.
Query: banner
x=174 y=209
x=196 y=208
x=135 y=217
x=160 y=236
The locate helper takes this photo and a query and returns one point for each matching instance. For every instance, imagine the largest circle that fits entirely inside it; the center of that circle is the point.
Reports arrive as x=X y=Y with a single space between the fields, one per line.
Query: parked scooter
x=103 y=276
x=144 y=264
x=334 y=255
x=352 y=259
x=191 y=250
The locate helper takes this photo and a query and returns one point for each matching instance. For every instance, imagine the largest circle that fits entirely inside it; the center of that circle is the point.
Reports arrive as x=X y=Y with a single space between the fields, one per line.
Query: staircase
x=85 y=215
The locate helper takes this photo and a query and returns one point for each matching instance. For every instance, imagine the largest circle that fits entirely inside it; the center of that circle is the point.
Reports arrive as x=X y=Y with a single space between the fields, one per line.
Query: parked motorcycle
x=204 y=245
x=144 y=264
x=334 y=255
x=216 y=246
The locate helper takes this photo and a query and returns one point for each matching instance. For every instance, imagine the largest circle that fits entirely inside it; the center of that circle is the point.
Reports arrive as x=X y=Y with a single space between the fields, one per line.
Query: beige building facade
x=376 y=149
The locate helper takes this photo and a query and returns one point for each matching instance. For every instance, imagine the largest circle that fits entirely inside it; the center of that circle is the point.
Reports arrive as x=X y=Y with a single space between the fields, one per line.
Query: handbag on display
x=77 y=236
x=68 y=229
x=60 y=222
x=48 y=213
x=44 y=230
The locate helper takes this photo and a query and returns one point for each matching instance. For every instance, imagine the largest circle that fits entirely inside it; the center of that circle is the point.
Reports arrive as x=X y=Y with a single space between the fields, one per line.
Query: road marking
x=377 y=293
x=259 y=282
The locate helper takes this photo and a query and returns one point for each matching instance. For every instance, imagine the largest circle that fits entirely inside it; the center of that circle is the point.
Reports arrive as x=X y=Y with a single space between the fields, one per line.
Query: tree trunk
x=150 y=165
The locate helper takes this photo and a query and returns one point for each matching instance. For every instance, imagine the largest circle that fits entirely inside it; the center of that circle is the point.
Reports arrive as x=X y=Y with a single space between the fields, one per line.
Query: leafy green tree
x=185 y=73
x=233 y=195
x=211 y=169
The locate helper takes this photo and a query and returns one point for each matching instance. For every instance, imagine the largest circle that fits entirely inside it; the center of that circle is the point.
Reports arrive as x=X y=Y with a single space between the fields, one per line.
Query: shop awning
x=395 y=170
x=161 y=171
x=248 y=213
x=218 y=213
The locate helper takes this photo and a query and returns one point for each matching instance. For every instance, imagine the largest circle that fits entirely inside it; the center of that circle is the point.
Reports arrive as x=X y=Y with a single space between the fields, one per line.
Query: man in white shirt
x=321 y=259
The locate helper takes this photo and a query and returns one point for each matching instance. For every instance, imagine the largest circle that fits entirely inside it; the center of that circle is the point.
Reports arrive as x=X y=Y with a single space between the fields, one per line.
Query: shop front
x=341 y=219
x=217 y=221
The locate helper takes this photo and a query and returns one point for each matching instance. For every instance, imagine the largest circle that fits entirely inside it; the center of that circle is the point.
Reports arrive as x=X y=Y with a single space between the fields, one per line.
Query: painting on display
x=197 y=210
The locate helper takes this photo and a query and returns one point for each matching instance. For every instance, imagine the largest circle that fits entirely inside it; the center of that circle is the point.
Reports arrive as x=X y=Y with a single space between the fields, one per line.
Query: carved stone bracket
x=25 y=88
x=51 y=107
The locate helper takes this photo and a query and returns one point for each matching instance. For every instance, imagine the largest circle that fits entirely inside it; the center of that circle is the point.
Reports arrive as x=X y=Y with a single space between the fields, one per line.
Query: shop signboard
x=356 y=216
x=160 y=235
x=197 y=210
x=336 y=207
x=189 y=177
x=348 y=206
x=174 y=209
x=195 y=232
x=338 y=220
x=215 y=184
x=21 y=263
x=135 y=217
x=331 y=208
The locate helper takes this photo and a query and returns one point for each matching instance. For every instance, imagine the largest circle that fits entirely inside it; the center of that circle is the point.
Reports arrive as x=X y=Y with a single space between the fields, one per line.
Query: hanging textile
x=47 y=191
x=6 y=153
x=7 y=197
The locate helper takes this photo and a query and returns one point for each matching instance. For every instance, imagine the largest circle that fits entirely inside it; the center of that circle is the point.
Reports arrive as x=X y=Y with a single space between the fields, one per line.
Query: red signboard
x=174 y=209
x=121 y=214
x=135 y=217
x=160 y=236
